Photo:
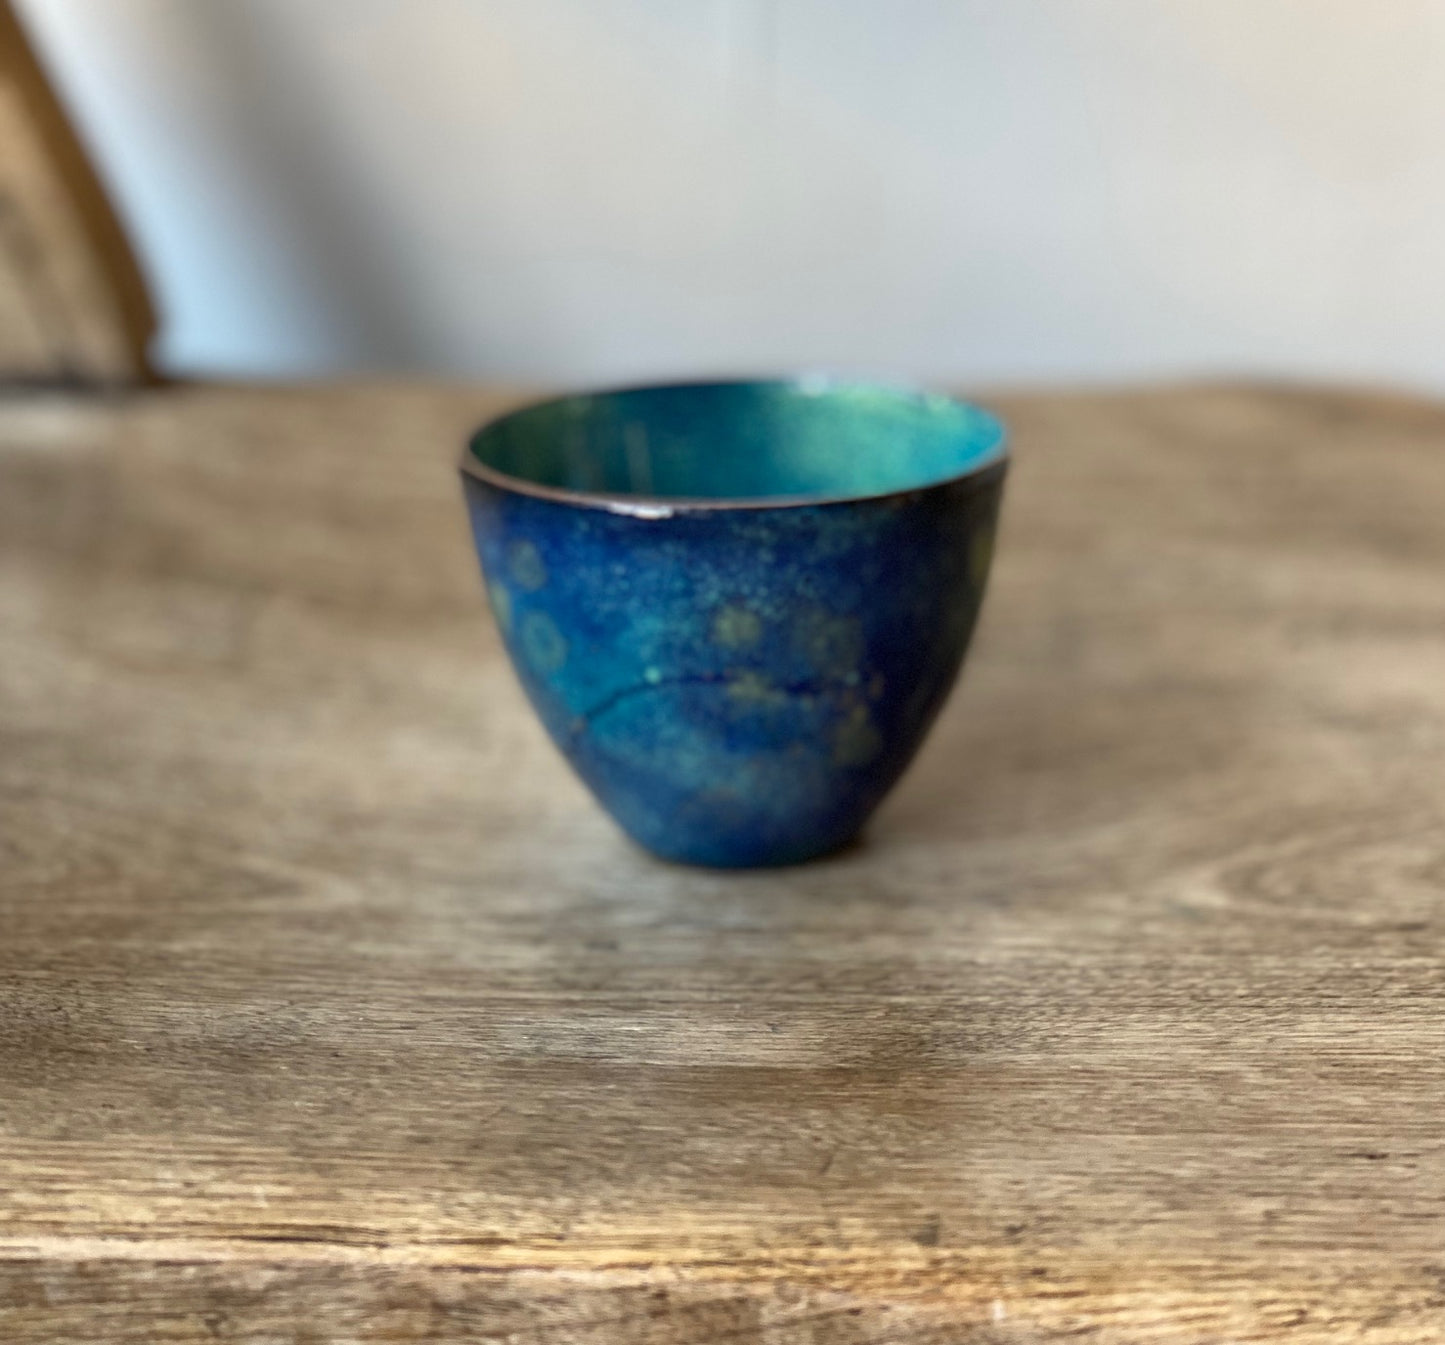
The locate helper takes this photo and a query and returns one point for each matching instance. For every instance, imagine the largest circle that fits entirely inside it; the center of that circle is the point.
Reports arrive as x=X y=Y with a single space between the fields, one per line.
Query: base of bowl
x=734 y=857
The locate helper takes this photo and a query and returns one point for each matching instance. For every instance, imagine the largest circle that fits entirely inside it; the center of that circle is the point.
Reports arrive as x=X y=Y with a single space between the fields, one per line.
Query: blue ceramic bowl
x=738 y=607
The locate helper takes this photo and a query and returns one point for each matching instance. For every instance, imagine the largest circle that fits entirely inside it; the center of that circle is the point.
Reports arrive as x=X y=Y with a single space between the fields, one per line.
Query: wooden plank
x=331 y=1008
x=73 y=304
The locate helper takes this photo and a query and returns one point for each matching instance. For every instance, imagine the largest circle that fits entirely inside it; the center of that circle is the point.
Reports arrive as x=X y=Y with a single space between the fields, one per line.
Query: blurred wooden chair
x=74 y=310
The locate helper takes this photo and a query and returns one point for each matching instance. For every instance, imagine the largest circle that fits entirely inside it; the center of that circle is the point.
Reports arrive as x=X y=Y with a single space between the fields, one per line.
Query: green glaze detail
x=543 y=644
x=753 y=689
x=735 y=627
x=526 y=566
x=856 y=741
x=832 y=645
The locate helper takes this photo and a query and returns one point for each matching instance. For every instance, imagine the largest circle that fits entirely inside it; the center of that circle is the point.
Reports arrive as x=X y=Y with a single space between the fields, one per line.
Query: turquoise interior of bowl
x=808 y=439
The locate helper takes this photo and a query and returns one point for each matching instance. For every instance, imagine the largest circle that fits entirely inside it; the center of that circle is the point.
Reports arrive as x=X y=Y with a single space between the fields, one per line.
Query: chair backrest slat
x=73 y=304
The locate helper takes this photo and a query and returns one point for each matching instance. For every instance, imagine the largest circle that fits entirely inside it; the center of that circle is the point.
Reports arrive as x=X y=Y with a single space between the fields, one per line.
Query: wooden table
x=331 y=1009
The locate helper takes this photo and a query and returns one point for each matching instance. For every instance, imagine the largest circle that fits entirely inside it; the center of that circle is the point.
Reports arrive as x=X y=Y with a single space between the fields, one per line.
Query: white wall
x=590 y=190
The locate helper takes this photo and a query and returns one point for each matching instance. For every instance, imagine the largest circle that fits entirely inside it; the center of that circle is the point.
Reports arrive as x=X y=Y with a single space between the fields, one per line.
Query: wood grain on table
x=331 y=1009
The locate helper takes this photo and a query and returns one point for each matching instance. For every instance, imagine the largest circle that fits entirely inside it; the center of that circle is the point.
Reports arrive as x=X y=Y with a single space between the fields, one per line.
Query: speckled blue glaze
x=738 y=608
